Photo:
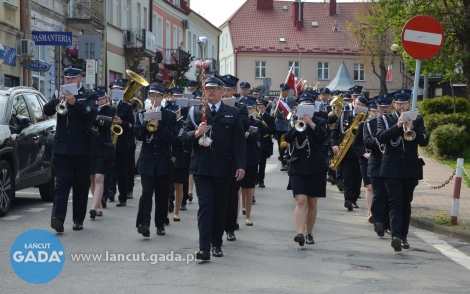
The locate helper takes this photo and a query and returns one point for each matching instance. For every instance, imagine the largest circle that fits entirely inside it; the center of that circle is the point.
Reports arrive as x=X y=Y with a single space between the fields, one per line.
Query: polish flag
x=388 y=77
x=291 y=81
x=285 y=108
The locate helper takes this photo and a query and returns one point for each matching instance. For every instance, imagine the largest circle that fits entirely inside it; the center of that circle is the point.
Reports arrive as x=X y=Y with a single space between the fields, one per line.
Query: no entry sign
x=422 y=37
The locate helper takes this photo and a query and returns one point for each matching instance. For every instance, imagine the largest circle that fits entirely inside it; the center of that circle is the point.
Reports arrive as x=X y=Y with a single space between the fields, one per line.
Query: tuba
x=134 y=83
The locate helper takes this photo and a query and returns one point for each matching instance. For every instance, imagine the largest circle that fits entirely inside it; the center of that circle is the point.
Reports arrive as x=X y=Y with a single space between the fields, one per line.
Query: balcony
x=86 y=14
x=214 y=68
x=176 y=59
x=139 y=42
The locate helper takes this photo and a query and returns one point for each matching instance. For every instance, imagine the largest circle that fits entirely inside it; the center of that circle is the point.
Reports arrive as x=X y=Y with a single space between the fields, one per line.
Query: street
x=347 y=256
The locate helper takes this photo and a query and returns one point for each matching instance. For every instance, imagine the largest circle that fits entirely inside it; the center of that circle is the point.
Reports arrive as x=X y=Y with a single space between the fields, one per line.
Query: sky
x=217 y=11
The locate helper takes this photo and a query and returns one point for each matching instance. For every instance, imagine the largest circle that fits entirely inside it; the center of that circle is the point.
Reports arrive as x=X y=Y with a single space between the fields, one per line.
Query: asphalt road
x=347 y=257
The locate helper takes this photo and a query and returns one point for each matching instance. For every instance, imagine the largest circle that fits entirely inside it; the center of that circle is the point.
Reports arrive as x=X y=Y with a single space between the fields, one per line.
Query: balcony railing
x=135 y=40
x=173 y=56
x=89 y=12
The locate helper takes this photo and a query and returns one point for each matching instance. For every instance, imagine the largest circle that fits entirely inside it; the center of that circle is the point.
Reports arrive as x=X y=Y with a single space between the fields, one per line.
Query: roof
x=342 y=80
x=255 y=30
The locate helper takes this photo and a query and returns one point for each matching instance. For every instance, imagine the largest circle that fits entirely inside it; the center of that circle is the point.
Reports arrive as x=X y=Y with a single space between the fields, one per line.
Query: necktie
x=213 y=111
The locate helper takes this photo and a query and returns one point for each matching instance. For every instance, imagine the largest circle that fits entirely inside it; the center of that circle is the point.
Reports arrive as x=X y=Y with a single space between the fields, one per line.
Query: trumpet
x=116 y=130
x=409 y=134
x=61 y=108
x=151 y=127
x=300 y=126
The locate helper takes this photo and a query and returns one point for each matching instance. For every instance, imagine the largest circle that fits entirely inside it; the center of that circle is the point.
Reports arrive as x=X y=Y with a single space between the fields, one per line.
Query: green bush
x=448 y=140
x=444 y=105
x=435 y=120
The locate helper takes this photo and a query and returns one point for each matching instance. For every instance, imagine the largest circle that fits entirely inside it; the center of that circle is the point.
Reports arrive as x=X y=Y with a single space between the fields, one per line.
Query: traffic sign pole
x=416 y=84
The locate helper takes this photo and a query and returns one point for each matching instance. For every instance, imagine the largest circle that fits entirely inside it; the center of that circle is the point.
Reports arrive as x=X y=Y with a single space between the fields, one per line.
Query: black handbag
x=171 y=162
x=421 y=164
x=108 y=152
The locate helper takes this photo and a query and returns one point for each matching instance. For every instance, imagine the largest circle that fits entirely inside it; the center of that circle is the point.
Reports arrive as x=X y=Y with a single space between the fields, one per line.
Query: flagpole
x=279 y=98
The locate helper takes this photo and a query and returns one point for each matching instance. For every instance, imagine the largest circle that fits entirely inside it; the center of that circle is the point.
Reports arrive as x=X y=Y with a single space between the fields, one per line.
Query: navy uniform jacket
x=178 y=146
x=308 y=161
x=244 y=115
x=153 y=159
x=396 y=162
x=228 y=149
x=265 y=132
x=104 y=129
x=337 y=135
x=132 y=141
x=358 y=144
x=252 y=141
x=370 y=142
x=281 y=123
x=72 y=130
x=124 y=111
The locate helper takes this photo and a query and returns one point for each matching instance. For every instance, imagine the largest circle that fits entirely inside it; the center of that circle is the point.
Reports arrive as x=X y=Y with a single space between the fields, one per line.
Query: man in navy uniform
x=154 y=162
x=401 y=166
x=191 y=86
x=379 y=207
x=268 y=128
x=245 y=90
x=350 y=164
x=71 y=149
x=213 y=166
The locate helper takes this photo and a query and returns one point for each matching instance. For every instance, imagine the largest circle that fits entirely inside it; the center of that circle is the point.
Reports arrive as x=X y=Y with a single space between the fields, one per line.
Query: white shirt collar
x=217 y=106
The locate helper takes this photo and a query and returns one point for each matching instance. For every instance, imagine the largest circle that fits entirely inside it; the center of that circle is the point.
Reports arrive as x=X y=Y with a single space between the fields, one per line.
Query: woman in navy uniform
x=401 y=166
x=379 y=208
x=307 y=170
x=267 y=129
x=249 y=181
x=154 y=162
x=71 y=149
x=99 y=166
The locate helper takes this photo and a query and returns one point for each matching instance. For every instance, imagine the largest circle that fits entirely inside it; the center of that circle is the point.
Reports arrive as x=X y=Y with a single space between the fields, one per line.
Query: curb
x=429 y=225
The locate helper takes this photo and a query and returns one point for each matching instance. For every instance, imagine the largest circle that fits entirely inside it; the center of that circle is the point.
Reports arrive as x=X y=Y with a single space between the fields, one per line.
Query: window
x=118 y=13
x=213 y=51
x=129 y=14
x=359 y=72
x=145 y=19
x=195 y=45
x=296 y=68
x=176 y=2
x=222 y=69
x=114 y=76
x=109 y=11
x=160 y=32
x=139 y=16
x=40 y=53
x=19 y=107
x=175 y=37
x=226 y=39
x=189 y=41
x=168 y=36
x=323 y=71
x=260 y=69
x=36 y=107
x=180 y=38
x=222 y=43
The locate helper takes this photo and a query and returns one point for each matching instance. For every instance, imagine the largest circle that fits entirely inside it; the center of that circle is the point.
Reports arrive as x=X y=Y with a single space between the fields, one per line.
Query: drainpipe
x=23 y=28
x=236 y=65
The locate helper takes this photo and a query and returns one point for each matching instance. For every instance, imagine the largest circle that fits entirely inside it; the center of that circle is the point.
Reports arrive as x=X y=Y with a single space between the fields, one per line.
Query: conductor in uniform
x=213 y=166
x=268 y=128
x=401 y=166
x=72 y=148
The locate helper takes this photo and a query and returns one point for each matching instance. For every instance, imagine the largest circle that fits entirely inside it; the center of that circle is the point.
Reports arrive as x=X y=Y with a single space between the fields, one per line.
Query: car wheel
x=47 y=190
x=6 y=187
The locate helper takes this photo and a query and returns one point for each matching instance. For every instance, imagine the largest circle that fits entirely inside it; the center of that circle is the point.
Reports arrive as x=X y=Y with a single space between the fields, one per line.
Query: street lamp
x=395 y=49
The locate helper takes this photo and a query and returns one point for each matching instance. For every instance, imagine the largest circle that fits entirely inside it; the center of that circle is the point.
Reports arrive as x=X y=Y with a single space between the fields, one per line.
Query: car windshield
x=3 y=105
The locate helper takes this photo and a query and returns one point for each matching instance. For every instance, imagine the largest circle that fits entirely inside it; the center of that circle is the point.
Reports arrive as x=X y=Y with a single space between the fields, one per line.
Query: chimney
x=332 y=8
x=298 y=15
x=265 y=5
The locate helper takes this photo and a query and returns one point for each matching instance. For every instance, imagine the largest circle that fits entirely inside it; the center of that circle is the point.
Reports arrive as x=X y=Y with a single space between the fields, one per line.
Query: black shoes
x=130 y=195
x=261 y=185
x=231 y=236
x=396 y=244
x=183 y=207
x=243 y=211
x=354 y=204
x=309 y=239
x=217 y=252
x=331 y=180
x=190 y=197
x=249 y=223
x=254 y=200
x=103 y=203
x=405 y=244
x=300 y=239
x=379 y=229
x=203 y=255
x=340 y=186
x=92 y=214
x=77 y=226
x=370 y=220
x=176 y=219
x=161 y=230
x=111 y=195
x=121 y=204
x=348 y=205
x=99 y=213
x=237 y=226
x=144 y=230
x=167 y=221
x=57 y=225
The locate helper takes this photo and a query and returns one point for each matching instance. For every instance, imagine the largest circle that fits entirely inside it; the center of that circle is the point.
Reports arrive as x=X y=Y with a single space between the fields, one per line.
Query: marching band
x=219 y=141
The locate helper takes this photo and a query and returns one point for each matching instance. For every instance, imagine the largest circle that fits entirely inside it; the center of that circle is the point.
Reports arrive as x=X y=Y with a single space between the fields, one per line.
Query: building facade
x=11 y=71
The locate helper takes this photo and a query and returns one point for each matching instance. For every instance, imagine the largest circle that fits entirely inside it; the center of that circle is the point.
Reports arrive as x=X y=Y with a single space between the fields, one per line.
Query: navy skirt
x=98 y=166
x=312 y=185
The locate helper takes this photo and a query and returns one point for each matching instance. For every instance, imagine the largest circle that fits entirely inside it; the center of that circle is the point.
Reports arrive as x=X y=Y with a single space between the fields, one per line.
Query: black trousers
x=263 y=158
x=108 y=179
x=151 y=184
x=186 y=181
x=71 y=172
x=379 y=208
x=232 y=205
x=351 y=179
x=278 y=136
x=212 y=194
x=130 y=169
x=400 y=193
x=122 y=176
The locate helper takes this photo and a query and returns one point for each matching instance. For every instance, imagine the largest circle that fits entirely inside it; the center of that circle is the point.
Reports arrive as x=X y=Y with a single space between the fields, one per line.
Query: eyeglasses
x=212 y=88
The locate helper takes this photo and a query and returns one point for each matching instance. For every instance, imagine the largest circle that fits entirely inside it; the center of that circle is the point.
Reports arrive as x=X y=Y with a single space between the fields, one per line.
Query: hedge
x=433 y=121
x=443 y=105
x=448 y=140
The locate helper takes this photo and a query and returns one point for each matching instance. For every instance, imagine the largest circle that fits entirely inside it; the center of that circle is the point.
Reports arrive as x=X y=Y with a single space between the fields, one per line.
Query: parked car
x=26 y=137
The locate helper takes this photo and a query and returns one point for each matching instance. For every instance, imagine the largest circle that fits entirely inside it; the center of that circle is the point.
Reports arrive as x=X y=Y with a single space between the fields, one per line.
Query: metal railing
x=134 y=38
x=173 y=56
x=78 y=9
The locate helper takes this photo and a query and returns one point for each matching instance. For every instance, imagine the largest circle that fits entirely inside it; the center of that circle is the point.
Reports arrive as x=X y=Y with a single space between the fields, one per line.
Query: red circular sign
x=422 y=37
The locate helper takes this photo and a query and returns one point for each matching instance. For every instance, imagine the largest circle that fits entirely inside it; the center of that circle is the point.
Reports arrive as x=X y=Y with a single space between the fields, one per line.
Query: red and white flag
x=291 y=80
x=285 y=108
x=388 y=77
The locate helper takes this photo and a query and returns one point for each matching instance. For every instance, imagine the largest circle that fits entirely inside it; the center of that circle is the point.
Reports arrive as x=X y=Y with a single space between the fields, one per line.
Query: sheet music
x=117 y=94
x=253 y=129
x=318 y=106
x=361 y=109
x=182 y=102
x=412 y=114
x=72 y=88
x=305 y=109
x=149 y=115
x=194 y=102
x=229 y=101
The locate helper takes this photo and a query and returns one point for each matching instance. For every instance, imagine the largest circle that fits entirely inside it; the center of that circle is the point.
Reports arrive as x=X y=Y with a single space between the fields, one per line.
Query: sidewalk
x=428 y=202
